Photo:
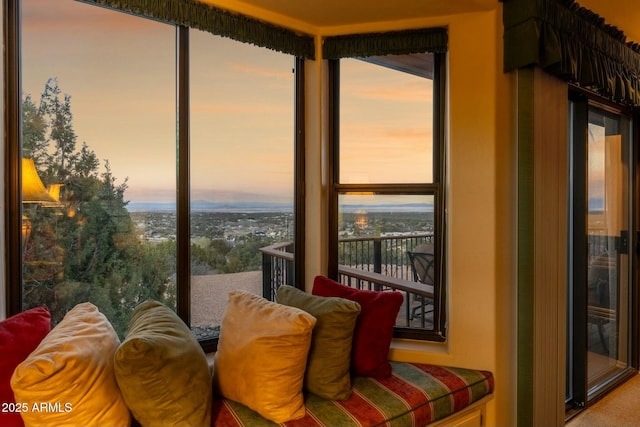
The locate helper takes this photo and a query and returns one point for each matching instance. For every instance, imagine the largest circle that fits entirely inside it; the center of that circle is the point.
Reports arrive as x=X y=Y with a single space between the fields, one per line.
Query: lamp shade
x=33 y=190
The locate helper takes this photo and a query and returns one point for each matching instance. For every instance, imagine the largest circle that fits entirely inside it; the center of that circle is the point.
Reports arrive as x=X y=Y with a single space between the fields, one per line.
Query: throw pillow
x=374 y=327
x=19 y=336
x=162 y=370
x=68 y=379
x=329 y=361
x=262 y=354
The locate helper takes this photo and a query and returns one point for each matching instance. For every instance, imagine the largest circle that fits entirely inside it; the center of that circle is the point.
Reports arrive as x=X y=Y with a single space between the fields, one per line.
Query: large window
x=156 y=162
x=388 y=192
x=99 y=126
x=242 y=168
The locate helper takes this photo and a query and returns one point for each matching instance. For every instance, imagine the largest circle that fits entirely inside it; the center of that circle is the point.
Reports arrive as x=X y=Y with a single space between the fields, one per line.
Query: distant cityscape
x=156 y=222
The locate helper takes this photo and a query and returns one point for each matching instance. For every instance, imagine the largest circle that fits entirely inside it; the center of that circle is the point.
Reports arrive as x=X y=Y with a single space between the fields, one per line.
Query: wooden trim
x=473 y=415
x=183 y=214
x=300 y=174
x=333 y=164
x=525 y=321
x=542 y=247
x=12 y=156
x=550 y=247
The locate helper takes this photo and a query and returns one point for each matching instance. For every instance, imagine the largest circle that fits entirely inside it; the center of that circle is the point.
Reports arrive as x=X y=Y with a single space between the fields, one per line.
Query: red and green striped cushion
x=414 y=395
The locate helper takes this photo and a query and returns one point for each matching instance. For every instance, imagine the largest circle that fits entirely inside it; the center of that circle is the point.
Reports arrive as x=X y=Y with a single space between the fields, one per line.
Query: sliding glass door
x=600 y=286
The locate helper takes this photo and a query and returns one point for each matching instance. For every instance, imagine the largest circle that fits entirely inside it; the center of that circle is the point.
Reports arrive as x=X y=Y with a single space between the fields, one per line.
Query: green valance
x=194 y=14
x=574 y=43
x=433 y=40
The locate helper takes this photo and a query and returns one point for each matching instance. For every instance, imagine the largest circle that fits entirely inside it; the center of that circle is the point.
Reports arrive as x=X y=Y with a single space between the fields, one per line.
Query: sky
x=120 y=73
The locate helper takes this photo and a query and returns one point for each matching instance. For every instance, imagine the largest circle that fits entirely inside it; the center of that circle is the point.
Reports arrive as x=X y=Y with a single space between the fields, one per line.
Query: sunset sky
x=120 y=73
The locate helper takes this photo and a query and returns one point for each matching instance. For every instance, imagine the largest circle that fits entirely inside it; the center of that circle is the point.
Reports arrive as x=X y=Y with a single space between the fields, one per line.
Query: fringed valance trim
x=573 y=43
x=434 y=40
x=194 y=14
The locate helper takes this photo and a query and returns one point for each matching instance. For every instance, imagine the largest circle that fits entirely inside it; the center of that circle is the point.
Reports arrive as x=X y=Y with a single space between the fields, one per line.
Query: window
x=99 y=124
x=388 y=183
x=162 y=159
x=242 y=168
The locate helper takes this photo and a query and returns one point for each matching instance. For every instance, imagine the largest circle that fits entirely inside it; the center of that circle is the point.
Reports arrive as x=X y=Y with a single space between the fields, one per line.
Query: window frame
x=13 y=182
x=436 y=188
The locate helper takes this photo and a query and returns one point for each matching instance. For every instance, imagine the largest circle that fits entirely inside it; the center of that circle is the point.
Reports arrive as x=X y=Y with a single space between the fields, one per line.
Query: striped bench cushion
x=414 y=395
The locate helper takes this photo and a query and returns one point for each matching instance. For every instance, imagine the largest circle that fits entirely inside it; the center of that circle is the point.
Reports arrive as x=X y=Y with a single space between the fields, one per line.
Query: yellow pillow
x=262 y=354
x=162 y=370
x=68 y=380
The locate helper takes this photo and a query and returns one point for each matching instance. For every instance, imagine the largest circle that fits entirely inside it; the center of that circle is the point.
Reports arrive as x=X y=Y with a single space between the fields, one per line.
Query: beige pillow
x=328 y=374
x=162 y=370
x=68 y=380
x=262 y=354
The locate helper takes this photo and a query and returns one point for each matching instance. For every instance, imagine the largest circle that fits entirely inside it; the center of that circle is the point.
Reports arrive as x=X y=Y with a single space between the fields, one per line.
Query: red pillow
x=374 y=327
x=19 y=336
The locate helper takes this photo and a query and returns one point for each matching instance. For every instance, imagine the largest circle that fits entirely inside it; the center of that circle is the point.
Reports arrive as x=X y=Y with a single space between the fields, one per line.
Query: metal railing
x=374 y=263
x=277 y=268
x=386 y=255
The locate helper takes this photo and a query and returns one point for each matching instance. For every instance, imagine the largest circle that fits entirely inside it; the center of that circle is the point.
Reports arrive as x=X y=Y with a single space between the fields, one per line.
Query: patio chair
x=422 y=261
x=600 y=309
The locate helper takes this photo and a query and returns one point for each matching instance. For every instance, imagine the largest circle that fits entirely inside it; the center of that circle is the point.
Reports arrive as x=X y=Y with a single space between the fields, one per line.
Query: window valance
x=205 y=17
x=573 y=43
x=433 y=40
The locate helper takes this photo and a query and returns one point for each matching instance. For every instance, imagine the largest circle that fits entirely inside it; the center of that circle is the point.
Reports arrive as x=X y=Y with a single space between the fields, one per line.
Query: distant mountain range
x=142 y=200
x=205 y=206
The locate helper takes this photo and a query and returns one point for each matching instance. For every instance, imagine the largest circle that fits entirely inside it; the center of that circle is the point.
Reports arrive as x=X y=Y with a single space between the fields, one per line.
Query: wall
x=481 y=203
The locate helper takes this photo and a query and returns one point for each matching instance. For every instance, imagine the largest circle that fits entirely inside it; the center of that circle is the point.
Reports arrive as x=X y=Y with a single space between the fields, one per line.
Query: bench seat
x=414 y=395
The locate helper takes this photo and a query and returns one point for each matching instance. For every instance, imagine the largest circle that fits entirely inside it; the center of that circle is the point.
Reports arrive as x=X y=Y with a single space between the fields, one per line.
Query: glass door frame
x=579 y=395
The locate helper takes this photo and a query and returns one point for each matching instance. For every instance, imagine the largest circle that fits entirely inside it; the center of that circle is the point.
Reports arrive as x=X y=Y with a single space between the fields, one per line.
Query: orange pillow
x=262 y=355
x=71 y=374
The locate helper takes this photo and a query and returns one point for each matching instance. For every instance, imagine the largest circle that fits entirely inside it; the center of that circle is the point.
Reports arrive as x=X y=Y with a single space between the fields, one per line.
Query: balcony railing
x=277 y=268
x=375 y=263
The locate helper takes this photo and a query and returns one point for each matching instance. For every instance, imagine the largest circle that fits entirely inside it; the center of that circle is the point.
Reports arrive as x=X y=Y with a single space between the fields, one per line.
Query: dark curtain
x=433 y=40
x=573 y=43
x=194 y=14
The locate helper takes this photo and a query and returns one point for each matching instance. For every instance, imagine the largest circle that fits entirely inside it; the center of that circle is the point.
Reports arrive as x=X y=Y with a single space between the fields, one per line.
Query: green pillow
x=327 y=374
x=162 y=371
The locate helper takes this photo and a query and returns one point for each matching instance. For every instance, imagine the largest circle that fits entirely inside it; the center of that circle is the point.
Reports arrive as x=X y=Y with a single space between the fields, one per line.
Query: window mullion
x=183 y=253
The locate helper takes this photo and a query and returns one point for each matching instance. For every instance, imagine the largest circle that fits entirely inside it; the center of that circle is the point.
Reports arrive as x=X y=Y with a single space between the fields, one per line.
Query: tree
x=61 y=134
x=34 y=140
x=91 y=253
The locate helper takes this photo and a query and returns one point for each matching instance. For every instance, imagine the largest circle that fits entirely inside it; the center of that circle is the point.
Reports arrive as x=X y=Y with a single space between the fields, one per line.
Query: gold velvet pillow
x=68 y=380
x=328 y=374
x=262 y=354
x=162 y=370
